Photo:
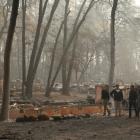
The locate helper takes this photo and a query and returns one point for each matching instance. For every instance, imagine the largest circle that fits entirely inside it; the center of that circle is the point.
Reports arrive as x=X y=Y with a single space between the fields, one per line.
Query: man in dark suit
x=105 y=100
x=117 y=95
x=132 y=100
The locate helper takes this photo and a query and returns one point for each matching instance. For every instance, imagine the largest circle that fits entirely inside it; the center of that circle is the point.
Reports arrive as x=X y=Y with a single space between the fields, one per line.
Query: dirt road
x=95 y=128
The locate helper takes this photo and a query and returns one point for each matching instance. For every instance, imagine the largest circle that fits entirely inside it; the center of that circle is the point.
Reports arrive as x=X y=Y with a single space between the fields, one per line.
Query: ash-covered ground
x=94 y=128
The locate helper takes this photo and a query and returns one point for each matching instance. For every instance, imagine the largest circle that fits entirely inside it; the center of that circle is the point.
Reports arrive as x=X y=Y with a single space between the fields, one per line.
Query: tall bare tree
x=34 y=61
x=23 y=47
x=112 y=43
x=75 y=44
x=52 y=60
x=8 y=47
x=67 y=70
x=64 y=64
x=76 y=28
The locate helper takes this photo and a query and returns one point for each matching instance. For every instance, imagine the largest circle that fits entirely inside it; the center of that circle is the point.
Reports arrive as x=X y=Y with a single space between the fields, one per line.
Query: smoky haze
x=92 y=57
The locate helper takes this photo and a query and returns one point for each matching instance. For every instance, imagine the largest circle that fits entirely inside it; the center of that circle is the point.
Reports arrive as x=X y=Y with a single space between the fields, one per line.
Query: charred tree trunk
x=23 y=47
x=52 y=61
x=112 y=44
x=18 y=60
x=64 y=64
x=11 y=30
x=29 y=81
x=71 y=63
x=76 y=74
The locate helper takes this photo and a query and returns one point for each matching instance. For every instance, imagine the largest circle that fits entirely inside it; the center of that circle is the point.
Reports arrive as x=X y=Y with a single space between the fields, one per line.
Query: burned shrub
x=57 y=118
x=43 y=117
x=26 y=119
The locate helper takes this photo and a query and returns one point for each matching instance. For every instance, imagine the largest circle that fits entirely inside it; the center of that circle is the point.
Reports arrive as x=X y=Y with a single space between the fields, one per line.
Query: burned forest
x=69 y=69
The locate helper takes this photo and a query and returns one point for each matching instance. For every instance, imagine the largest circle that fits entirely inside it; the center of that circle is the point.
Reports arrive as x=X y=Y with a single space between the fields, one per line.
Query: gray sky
x=137 y=2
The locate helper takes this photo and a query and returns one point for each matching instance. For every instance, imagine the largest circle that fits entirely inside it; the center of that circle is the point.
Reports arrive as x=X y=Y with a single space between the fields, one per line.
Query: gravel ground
x=95 y=128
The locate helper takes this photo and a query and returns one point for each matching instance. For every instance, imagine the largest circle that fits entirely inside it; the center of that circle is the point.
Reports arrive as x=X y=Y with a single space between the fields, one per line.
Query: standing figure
x=117 y=95
x=138 y=101
x=105 y=100
x=132 y=100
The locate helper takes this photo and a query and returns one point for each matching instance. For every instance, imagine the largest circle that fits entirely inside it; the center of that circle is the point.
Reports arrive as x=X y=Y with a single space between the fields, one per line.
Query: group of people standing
x=117 y=95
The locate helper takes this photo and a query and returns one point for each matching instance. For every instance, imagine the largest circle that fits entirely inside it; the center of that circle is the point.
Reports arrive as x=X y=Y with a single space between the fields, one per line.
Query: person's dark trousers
x=132 y=105
x=138 y=112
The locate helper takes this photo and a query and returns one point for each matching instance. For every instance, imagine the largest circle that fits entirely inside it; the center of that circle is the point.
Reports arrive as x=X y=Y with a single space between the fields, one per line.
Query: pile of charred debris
x=30 y=111
x=44 y=117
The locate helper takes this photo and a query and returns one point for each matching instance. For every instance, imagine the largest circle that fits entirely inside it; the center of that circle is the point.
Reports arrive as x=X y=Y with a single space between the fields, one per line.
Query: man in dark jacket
x=138 y=101
x=132 y=100
x=118 y=98
x=105 y=100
